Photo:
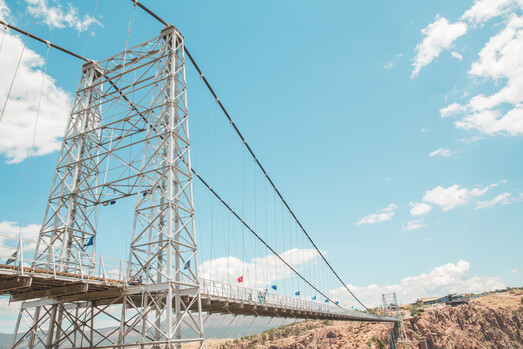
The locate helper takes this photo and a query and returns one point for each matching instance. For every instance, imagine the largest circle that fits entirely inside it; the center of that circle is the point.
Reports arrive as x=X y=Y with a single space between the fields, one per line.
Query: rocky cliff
x=493 y=321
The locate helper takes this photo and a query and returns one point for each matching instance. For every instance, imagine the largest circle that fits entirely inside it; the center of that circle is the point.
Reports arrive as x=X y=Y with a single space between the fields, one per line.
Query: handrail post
x=54 y=263
x=81 y=268
x=103 y=269
x=21 y=253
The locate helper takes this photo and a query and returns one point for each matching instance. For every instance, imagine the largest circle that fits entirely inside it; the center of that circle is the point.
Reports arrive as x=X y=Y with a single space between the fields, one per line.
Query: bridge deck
x=39 y=286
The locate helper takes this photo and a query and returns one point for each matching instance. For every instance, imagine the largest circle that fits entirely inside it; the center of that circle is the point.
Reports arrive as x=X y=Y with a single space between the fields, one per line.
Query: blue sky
x=394 y=130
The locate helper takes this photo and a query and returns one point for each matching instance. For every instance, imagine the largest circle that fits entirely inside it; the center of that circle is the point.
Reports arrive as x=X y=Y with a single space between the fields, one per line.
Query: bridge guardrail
x=111 y=271
x=22 y=260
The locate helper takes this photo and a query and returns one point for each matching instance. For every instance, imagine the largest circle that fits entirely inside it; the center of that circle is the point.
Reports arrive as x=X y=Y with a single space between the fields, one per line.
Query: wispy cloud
x=502 y=199
x=55 y=16
x=19 y=120
x=381 y=216
x=442 y=152
x=456 y=55
x=414 y=225
x=439 y=36
x=4 y=11
x=483 y=10
x=450 y=197
x=419 y=208
x=499 y=61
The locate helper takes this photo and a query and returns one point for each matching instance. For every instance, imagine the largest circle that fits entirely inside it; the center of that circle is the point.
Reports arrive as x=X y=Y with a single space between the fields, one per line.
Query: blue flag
x=326 y=301
x=337 y=303
x=274 y=287
x=90 y=242
x=314 y=298
x=187 y=265
x=12 y=259
x=297 y=293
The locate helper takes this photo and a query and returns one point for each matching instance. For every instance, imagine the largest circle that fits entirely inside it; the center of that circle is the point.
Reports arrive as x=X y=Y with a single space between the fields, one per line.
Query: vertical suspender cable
x=3 y=37
x=19 y=60
x=31 y=151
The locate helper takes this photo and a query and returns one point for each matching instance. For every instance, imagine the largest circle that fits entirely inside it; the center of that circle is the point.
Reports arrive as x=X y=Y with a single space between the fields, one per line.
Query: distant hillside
x=216 y=326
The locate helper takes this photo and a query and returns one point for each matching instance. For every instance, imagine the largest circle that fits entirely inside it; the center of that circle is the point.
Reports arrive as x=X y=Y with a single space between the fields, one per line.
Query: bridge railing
x=225 y=291
x=19 y=256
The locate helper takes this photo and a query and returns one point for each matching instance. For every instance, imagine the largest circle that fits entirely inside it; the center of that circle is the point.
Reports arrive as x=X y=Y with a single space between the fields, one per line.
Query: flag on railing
x=187 y=265
x=326 y=301
x=240 y=279
x=90 y=242
x=12 y=259
x=297 y=293
x=274 y=287
x=314 y=298
x=337 y=303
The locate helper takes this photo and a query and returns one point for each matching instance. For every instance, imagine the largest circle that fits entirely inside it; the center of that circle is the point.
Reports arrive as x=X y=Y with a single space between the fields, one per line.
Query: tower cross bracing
x=132 y=103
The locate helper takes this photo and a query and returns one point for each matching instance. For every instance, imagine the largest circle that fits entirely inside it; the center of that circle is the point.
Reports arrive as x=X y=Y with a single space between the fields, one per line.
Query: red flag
x=240 y=279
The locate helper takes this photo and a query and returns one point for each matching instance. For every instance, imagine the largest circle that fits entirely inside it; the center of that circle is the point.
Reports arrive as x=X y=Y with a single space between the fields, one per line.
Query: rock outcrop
x=494 y=321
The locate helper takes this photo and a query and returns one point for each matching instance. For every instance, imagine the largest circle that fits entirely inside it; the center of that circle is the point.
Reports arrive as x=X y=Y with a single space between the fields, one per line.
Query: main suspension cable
x=251 y=152
x=43 y=41
x=237 y=132
x=259 y=237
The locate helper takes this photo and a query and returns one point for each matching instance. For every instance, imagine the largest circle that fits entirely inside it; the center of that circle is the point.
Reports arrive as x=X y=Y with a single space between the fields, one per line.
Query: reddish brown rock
x=493 y=321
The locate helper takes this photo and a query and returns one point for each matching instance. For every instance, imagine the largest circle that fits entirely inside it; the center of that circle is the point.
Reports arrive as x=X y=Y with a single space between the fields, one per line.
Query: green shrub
x=297 y=330
x=414 y=310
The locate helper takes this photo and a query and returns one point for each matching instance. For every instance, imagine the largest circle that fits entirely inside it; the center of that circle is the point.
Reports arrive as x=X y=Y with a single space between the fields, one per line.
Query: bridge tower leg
x=163 y=245
x=396 y=330
x=160 y=305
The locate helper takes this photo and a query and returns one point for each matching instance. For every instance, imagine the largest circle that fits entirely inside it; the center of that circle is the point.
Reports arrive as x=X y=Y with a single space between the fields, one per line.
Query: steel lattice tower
x=391 y=308
x=127 y=135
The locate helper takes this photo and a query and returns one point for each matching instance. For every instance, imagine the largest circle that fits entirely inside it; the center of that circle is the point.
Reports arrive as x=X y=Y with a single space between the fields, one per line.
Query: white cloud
x=4 y=11
x=452 y=109
x=419 y=208
x=259 y=272
x=9 y=313
x=442 y=280
x=388 y=65
x=442 y=152
x=57 y=17
x=483 y=10
x=382 y=215
x=456 y=55
x=514 y=271
x=492 y=122
x=439 y=36
x=455 y=195
x=502 y=199
x=18 y=123
x=9 y=234
x=414 y=225
x=499 y=60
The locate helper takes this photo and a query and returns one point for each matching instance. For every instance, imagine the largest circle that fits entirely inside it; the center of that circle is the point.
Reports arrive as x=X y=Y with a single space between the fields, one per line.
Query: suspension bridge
x=127 y=138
